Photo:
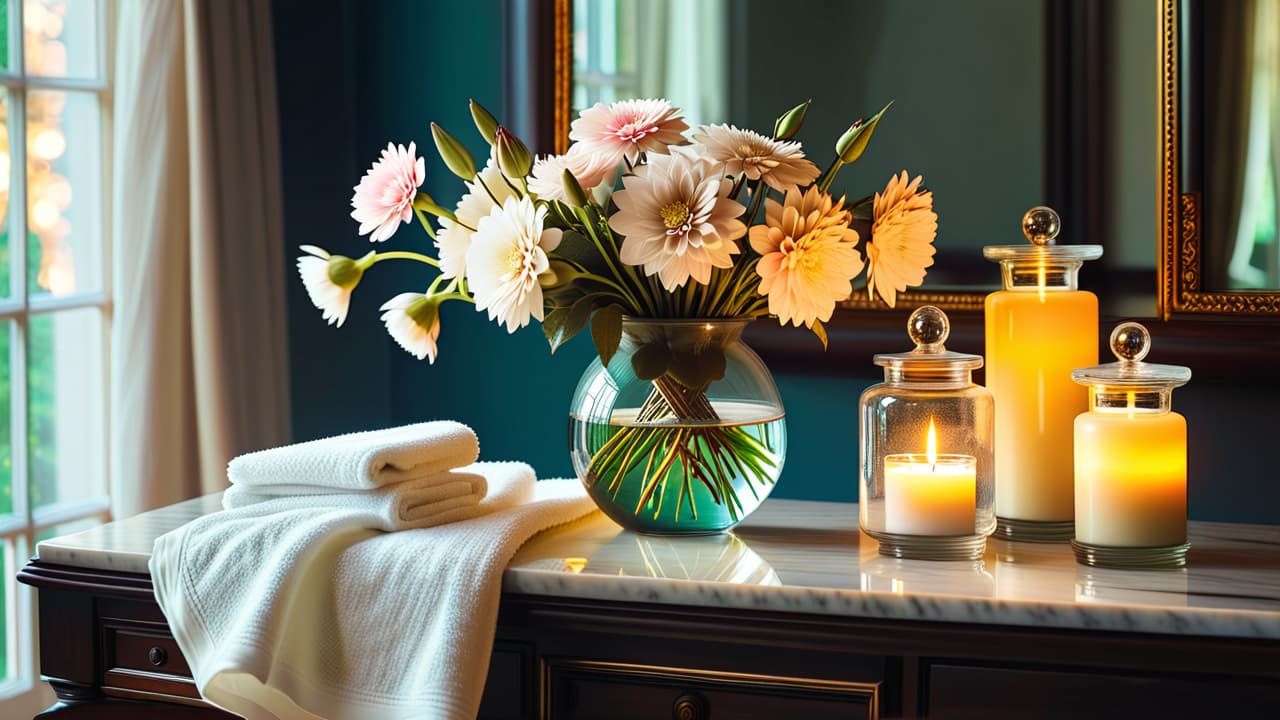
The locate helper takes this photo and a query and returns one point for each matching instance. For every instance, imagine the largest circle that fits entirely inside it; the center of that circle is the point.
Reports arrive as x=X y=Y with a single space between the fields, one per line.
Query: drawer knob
x=690 y=706
x=157 y=655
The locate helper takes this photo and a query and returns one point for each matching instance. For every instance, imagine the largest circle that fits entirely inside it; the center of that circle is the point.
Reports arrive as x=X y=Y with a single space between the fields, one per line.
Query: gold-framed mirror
x=1021 y=121
x=1220 y=147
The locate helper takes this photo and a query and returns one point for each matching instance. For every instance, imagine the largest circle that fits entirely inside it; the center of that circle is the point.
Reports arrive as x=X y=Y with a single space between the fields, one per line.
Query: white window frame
x=24 y=693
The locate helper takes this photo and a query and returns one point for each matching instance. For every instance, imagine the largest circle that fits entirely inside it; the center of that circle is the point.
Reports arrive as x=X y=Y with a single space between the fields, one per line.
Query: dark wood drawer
x=144 y=659
x=960 y=692
x=590 y=690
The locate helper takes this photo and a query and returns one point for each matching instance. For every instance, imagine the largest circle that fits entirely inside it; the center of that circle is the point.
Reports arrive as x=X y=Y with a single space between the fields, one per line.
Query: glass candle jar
x=1039 y=328
x=1131 y=460
x=926 y=469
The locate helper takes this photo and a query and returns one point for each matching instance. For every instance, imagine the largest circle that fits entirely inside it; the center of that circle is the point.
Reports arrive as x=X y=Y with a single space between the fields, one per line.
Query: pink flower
x=628 y=128
x=385 y=193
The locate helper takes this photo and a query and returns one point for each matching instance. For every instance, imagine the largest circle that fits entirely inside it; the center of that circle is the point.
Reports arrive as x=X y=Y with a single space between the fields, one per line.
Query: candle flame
x=931 y=445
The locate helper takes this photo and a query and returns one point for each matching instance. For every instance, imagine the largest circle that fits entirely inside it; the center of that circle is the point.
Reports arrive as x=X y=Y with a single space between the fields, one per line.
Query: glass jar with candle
x=1039 y=328
x=1131 y=460
x=926 y=469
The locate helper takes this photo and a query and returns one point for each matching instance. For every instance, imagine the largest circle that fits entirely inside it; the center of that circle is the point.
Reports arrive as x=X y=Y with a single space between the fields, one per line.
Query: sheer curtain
x=198 y=336
x=684 y=56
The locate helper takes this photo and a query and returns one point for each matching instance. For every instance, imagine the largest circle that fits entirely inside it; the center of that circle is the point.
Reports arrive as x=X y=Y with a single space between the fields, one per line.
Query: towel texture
x=358 y=461
x=303 y=611
x=441 y=498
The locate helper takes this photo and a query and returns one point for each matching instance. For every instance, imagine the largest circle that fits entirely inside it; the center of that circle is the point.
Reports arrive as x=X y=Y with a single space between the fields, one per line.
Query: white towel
x=359 y=461
x=305 y=613
x=445 y=497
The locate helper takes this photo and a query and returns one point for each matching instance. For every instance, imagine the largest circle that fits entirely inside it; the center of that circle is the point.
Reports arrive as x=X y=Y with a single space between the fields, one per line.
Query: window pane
x=61 y=38
x=6 y=426
x=65 y=396
x=64 y=193
x=5 y=178
x=6 y=607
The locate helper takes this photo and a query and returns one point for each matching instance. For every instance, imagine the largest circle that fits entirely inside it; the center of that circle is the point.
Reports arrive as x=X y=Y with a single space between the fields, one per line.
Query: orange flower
x=901 y=245
x=808 y=256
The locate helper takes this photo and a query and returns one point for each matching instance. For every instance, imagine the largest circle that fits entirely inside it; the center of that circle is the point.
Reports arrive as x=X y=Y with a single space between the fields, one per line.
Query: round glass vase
x=683 y=432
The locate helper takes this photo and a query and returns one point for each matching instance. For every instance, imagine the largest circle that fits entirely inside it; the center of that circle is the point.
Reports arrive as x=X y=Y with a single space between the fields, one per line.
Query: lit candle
x=1131 y=478
x=1034 y=341
x=930 y=494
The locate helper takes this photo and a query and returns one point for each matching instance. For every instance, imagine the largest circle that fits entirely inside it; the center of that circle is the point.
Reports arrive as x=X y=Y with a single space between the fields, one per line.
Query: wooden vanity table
x=793 y=615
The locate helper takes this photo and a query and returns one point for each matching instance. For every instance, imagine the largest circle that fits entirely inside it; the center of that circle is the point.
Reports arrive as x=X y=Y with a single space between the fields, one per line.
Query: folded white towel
x=303 y=612
x=359 y=461
x=445 y=497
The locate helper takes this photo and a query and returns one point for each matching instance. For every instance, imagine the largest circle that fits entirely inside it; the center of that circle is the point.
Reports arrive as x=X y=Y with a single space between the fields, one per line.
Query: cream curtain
x=198 y=333
x=684 y=56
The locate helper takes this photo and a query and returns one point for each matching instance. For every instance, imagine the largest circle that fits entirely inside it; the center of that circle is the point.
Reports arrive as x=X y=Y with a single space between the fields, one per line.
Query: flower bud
x=514 y=159
x=424 y=202
x=854 y=141
x=789 y=124
x=455 y=156
x=344 y=272
x=573 y=191
x=485 y=122
x=425 y=311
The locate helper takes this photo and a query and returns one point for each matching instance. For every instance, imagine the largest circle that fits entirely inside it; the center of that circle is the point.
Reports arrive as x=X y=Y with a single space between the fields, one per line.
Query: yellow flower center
x=675 y=214
x=515 y=260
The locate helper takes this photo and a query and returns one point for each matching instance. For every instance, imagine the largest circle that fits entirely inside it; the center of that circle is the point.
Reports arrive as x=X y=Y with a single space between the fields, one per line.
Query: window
x=54 y=296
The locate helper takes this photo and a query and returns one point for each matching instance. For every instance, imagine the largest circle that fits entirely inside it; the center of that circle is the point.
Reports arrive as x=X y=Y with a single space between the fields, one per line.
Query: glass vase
x=683 y=432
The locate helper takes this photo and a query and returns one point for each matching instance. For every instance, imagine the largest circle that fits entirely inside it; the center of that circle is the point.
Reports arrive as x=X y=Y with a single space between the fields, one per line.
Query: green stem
x=405 y=255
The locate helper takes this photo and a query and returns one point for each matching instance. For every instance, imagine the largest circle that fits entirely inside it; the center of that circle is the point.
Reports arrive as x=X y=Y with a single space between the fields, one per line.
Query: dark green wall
x=353 y=75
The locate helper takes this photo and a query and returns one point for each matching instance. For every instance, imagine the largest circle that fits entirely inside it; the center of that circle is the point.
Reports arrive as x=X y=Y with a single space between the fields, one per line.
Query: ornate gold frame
x=1180 y=275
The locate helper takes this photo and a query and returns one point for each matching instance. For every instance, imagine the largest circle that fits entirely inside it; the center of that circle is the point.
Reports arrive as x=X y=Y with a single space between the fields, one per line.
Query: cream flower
x=329 y=280
x=590 y=169
x=454 y=238
x=677 y=218
x=902 y=236
x=781 y=164
x=413 y=320
x=628 y=128
x=508 y=253
x=808 y=256
x=384 y=198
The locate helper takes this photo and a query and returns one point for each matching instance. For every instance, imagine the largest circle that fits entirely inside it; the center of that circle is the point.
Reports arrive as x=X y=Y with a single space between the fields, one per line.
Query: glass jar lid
x=1131 y=342
x=928 y=327
x=1041 y=226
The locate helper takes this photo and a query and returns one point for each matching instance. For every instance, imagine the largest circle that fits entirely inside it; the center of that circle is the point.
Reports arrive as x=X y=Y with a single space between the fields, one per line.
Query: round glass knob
x=1130 y=341
x=1041 y=225
x=928 y=327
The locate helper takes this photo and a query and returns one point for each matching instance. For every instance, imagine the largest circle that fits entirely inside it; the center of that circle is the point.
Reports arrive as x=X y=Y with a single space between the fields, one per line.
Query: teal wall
x=353 y=75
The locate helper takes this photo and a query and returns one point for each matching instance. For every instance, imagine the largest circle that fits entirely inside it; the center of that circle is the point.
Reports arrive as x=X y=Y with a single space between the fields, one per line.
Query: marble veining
x=808 y=557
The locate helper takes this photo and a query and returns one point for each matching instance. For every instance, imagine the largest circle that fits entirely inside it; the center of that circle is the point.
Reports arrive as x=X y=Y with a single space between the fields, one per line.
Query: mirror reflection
x=967 y=80
x=1241 y=145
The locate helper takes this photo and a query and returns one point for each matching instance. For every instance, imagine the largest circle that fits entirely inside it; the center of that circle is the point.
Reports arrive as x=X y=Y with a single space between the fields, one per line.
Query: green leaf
x=455 y=156
x=606 y=331
x=567 y=323
x=697 y=369
x=486 y=123
x=821 y=332
x=552 y=323
x=854 y=141
x=650 y=361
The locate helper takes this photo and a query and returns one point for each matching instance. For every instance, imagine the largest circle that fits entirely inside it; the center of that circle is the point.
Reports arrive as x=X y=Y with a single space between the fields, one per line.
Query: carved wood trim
x=563 y=83
x=950 y=301
x=1182 y=235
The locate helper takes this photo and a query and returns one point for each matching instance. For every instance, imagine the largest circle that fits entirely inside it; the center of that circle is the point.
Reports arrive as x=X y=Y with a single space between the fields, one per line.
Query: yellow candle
x=1131 y=478
x=930 y=494
x=1035 y=338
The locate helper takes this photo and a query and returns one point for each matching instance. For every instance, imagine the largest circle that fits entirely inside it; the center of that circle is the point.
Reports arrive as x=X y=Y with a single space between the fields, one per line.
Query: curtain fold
x=198 y=334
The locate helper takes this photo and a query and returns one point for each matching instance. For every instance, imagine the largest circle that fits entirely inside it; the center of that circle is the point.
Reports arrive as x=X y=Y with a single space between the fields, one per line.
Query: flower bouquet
x=663 y=241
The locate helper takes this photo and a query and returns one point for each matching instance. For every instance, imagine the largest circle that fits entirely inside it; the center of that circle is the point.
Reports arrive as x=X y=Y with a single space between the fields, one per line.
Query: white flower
x=590 y=169
x=508 y=253
x=329 y=280
x=454 y=239
x=781 y=164
x=413 y=320
x=677 y=218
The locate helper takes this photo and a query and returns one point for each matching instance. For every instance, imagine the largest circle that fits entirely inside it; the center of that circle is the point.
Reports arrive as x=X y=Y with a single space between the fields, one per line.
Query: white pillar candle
x=930 y=494
x=1131 y=478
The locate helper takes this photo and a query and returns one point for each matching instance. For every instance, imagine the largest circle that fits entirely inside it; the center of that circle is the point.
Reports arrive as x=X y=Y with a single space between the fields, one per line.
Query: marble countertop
x=808 y=557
